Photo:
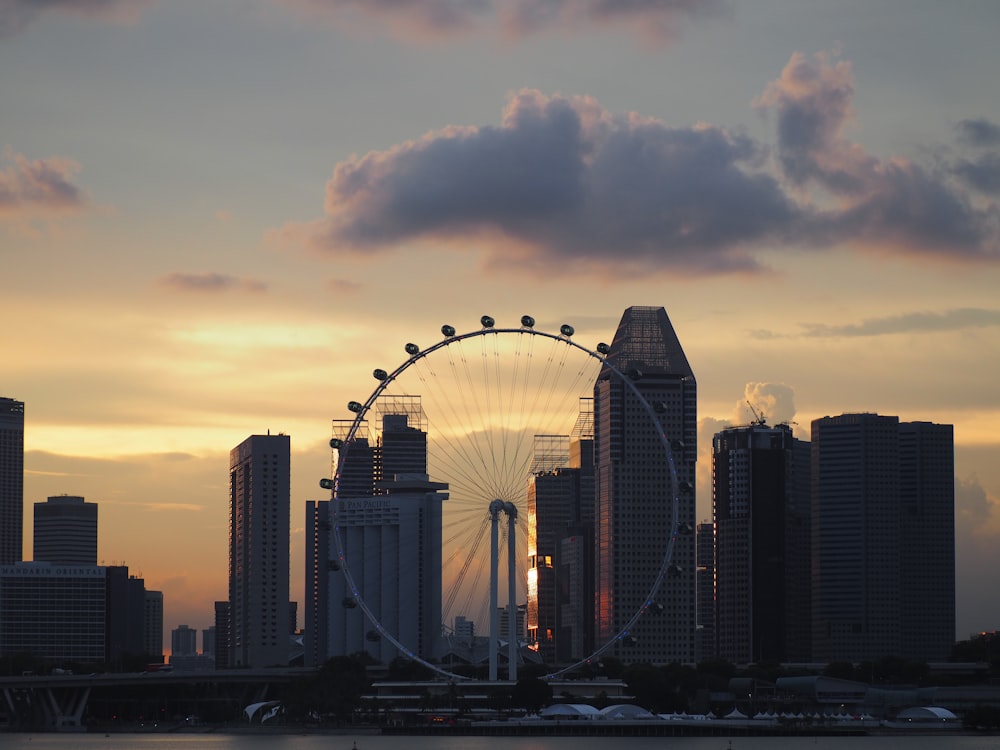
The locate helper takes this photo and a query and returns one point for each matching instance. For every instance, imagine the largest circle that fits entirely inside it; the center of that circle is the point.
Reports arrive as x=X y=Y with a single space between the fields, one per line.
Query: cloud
x=563 y=185
x=344 y=286
x=773 y=402
x=885 y=204
x=916 y=322
x=982 y=174
x=976 y=554
x=15 y=15
x=979 y=132
x=211 y=282
x=415 y=19
x=39 y=187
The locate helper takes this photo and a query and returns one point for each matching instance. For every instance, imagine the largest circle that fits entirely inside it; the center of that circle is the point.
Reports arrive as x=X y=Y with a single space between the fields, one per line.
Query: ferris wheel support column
x=495 y=507
x=512 y=644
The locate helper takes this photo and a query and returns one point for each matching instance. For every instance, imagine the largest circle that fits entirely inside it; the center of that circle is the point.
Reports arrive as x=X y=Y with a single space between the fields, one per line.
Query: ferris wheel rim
x=451 y=337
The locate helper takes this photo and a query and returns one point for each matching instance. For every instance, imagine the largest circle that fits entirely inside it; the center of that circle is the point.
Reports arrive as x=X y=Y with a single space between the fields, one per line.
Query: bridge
x=62 y=702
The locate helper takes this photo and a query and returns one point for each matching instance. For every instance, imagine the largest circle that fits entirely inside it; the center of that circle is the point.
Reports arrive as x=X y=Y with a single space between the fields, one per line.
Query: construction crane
x=758 y=416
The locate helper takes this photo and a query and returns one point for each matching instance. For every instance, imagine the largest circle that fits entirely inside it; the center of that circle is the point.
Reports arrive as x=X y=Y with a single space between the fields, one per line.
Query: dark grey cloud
x=979 y=132
x=39 y=186
x=563 y=184
x=15 y=15
x=916 y=322
x=563 y=181
x=890 y=204
x=982 y=174
x=651 y=18
x=211 y=282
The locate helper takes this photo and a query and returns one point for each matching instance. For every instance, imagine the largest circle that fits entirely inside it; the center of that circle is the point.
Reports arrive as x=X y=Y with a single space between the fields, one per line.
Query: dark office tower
x=66 y=531
x=856 y=512
x=633 y=518
x=927 y=544
x=320 y=565
x=11 y=480
x=761 y=502
x=259 y=471
x=125 y=616
x=705 y=581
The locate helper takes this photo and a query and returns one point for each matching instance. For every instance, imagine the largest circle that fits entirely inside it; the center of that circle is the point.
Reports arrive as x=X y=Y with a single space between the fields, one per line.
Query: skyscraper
x=259 y=476
x=705 y=581
x=560 y=524
x=883 y=538
x=65 y=531
x=927 y=554
x=761 y=507
x=11 y=480
x=183 y=641
x=320 y=566
x=153 y=625
x=632 y=485
x=392 y=543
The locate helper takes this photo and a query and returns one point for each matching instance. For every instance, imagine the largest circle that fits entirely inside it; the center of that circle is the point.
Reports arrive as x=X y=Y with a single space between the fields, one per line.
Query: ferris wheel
x=472 y=424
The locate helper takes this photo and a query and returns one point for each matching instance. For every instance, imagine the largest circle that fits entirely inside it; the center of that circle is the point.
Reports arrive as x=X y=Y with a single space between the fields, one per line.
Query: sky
x=217 y=217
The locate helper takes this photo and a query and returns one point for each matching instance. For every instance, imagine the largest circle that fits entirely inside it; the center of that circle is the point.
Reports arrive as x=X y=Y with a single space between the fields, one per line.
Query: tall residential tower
x=259 y=477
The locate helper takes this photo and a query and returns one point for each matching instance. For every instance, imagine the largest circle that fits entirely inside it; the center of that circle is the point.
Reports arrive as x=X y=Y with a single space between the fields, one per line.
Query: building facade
x=883 y=538
x=259 y=471
x=634 y=509
x=761 y=508
x=392 y=546
x=55 y=612
x=560 y=505
x=320 y=565
x=153 y=625
x=389 y=515
x=705 y=581
x=183 y=641
x=65 y=531
x=11 y=480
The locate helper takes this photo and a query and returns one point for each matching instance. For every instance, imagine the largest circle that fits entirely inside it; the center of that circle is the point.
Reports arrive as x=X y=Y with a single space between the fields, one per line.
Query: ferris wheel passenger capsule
x=326 y=483
x=412 y=349
x=487 y=321
x=566 y=330
x=336 y=443
x=603 y=348
x=527 y=321
x=380 y=374
x=355 y=406
x=448 y=330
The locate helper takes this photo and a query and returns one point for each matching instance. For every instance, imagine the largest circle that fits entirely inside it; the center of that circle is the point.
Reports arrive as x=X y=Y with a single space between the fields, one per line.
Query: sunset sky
x=217 y=217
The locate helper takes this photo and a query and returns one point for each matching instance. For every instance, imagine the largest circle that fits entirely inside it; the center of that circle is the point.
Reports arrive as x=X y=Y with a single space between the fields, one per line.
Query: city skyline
x=217 y=219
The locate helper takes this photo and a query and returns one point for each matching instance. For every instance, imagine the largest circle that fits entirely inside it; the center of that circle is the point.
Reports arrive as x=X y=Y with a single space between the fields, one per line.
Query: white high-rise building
x=259 y=477
x=392 y=545
x=634 y=508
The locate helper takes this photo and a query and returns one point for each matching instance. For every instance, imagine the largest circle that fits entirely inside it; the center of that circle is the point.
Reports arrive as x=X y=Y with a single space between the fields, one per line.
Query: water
x=270 y=741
